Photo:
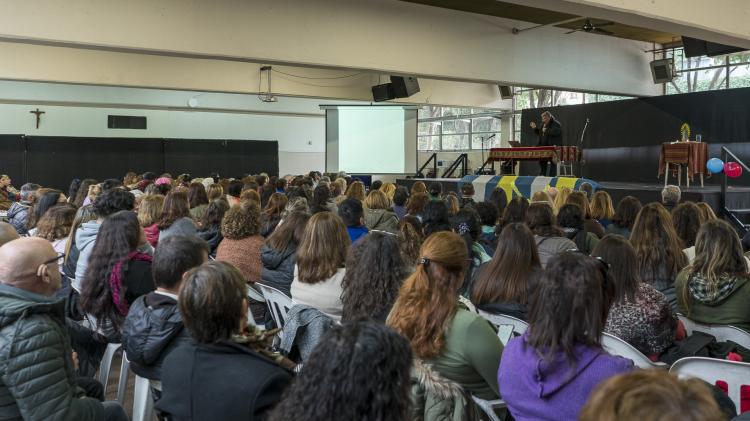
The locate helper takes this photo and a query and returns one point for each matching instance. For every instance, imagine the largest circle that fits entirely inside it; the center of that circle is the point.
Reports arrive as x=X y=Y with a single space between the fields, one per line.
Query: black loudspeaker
x=662 y=70
x=404 y=86
x=382 y=92
x=506 y=92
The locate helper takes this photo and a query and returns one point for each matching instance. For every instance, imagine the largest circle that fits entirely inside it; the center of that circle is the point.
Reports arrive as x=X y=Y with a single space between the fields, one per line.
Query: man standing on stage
x=549 y=135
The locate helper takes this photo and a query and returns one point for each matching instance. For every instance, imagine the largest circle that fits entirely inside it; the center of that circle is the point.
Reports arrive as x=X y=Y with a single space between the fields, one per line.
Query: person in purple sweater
x=549 y=372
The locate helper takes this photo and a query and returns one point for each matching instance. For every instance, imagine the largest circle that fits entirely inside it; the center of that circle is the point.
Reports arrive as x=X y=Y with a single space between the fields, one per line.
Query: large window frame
x=433 y=134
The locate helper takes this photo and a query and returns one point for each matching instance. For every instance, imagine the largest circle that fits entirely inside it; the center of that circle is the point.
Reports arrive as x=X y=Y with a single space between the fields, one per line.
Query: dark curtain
x=11 y=157
x=229 y=158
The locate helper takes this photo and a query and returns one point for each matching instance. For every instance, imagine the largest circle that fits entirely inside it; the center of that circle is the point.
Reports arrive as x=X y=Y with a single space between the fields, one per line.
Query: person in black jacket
x=550 y=134
x=211 y=224
x=218 y=378
x=279 y=253
x=153 y=327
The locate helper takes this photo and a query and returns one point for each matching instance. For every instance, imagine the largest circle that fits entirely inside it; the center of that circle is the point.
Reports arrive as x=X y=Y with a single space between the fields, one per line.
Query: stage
x=737 y=197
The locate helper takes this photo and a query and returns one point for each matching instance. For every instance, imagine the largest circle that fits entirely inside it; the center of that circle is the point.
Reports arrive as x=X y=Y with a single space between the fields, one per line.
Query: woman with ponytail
x=459 y=344
x=117 y=273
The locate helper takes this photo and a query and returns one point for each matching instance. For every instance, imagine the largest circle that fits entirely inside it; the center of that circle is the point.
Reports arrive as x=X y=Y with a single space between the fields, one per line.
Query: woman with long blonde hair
x=602 y=209
x=428 y=314
x=321 y=257
x=356 y=191
x=562 y=197
x=389 y=189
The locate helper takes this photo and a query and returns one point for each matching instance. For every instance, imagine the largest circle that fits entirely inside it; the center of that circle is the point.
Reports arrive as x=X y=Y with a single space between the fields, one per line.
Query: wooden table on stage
x=691 y=154
x=554 y=154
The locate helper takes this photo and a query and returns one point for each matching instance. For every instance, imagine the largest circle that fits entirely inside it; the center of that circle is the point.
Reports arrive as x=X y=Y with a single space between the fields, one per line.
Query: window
x=695 y=74
x=457 y=128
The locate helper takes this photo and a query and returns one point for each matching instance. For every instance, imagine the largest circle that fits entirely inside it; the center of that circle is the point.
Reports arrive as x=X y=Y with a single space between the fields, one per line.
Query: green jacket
x=37 y=379
x=733 y=310
x=435 y=398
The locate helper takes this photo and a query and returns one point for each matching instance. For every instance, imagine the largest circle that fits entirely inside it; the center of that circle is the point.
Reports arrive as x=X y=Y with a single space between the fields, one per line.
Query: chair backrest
x=722 y=333
x=278 y=303
x=502 y=321
x=712 y=370
x=143 y=403
x=617 y=346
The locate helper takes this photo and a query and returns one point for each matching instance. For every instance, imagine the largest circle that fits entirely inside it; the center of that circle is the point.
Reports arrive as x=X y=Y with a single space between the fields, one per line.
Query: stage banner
x=515 y=186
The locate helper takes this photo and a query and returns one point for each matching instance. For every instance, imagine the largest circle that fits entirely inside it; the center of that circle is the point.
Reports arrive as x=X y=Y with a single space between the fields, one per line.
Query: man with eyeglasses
x=37 y=370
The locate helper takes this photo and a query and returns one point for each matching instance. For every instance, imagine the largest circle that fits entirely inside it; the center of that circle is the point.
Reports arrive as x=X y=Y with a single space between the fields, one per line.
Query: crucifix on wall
x=38 y=116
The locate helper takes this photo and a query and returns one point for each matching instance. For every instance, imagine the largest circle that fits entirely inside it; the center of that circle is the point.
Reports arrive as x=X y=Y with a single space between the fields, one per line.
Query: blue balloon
x=715 y=165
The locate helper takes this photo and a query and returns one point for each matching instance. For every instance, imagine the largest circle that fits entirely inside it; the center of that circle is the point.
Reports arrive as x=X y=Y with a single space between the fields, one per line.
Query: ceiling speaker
x=662 y=70
x=506 y=91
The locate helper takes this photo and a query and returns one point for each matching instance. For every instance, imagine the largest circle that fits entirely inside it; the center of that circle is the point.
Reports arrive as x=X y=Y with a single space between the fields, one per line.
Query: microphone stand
x=583 y=133
x=483 y=161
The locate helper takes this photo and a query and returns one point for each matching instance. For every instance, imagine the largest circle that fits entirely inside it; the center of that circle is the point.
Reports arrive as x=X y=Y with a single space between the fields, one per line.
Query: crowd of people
x=168 y=267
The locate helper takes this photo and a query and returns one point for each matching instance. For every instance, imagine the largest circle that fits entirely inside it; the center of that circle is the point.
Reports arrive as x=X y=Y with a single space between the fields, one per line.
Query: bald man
x=7 y=233
x=36 y=366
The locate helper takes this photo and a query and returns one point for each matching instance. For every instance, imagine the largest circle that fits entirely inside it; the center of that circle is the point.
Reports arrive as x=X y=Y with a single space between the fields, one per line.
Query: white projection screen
x=377 y=139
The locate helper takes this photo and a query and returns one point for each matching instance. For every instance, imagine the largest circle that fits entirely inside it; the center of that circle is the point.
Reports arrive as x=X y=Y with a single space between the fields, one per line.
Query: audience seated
x=707 y=214
x=376 y=270
x=436 y=218
x=622 y=222
x=466 y=224
x=117 y=273
x=322 y=200
x=499 y=198
x=85 y=236
x=153 y=326
x=579 y=198
x=149 y=213
x=467 y=195
x=18 y=214
x=272 y=213
x=505 y=284
x=562 y=197
x=210 y=224
x=601 y=208
x=250 y=195
x=435 y=190
x=715 y=288
x=587 y=189
x=550 y=239
x=670 y=197
x=451 y=200
x=7 y=233
x=549 y=372
x=651 y=395
x=279 y=253
x=570 y=220
x=320 y=264
x=488 y=217
x=55 y=225
x=221 y=376
x=658 y=249
x=45 y=199
x=37 y=364
x=418 y=187
x=640 y=315
x=352 y=213
x=214 y=191
x=687 y=220
x=460 y=345
x=234 y=191
x=175 y=217
x=389 y=189
x=359 y=371
x=198 y=200
x=515 y=211
x=543 y=197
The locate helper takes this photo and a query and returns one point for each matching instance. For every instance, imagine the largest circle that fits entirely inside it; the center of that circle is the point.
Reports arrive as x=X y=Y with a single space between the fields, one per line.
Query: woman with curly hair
x=117 y=272
x=322 y=201
x=320 y=265
x=459 y=344
x=412 y=236
x=272 y=213
x=55 y=225
x=360 y=371
x=242 y=240
x=175 y=216
x=376 y=271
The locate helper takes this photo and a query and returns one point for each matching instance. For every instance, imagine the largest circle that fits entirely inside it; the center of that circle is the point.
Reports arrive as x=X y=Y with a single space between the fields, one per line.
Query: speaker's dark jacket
x=553 y=135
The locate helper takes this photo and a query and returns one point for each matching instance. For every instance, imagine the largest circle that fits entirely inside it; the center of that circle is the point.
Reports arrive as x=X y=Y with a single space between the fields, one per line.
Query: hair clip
x=463 y=228
x=424 y=261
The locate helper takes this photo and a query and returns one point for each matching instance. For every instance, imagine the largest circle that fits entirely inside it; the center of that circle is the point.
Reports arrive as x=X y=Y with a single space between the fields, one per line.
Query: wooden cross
x=38 y=116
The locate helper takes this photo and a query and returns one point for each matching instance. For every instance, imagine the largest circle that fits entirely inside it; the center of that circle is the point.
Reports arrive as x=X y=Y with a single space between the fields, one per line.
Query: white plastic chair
x=278 y=303
x=711 y=370
x=122 y=384
x=722 y=333
x=489 y=407
x=106 y=364
x=501 y=320
x=617 y=346
x=143 y=402
x=254 y=295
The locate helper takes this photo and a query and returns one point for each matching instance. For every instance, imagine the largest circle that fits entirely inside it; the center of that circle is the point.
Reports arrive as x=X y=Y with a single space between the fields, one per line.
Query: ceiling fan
x=591 y=28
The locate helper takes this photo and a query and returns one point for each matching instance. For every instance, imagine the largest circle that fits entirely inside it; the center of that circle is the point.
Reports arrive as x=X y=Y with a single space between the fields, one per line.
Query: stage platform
x=738 y=197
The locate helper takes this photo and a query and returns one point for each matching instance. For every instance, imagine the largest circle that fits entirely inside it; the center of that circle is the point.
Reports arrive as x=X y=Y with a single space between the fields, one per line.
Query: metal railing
x=432 y=159
x=731 y=214
x=462 y=161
